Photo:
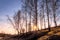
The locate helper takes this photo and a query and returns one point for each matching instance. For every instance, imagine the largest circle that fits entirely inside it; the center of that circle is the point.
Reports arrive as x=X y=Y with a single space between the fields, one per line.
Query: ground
x=43 y=34
x=54 y=34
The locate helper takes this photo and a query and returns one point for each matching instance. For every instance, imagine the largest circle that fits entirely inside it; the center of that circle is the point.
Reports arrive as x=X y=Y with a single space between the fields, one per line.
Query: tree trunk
x=30 y=23
x=54 y=10
x=44 y=15
x=35 y=3
x=48 y=15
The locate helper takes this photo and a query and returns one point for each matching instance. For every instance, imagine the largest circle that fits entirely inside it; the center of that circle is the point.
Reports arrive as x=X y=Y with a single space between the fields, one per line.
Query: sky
x=8 y=7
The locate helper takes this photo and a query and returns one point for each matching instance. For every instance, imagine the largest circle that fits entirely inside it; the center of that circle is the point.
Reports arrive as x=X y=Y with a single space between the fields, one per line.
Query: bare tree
x=43 y=14
x=54 y=5
x=30 y=23
x=24 y=8
x=35 y=7
x=41 y=20
x=16 y=21
x=47 y=14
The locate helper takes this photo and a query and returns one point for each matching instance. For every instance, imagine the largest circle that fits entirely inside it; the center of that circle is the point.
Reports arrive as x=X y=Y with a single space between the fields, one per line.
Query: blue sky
x=8 y=7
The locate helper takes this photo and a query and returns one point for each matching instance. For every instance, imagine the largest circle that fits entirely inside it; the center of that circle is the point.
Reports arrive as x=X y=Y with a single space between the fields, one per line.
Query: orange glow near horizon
x=9 y=29
x=34 y=28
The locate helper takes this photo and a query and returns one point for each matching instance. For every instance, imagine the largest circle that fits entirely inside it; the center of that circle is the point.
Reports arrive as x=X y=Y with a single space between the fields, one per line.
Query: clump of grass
x=51 y=33
x=43 y=37
x=58 y=33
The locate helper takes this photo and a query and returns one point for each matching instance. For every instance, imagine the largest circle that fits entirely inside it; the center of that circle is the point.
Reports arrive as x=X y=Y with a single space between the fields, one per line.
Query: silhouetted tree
x=54 y=5
x=35 y=11
x=24 y=6
x=16 y=21
x=47 y=15
x=43 y=13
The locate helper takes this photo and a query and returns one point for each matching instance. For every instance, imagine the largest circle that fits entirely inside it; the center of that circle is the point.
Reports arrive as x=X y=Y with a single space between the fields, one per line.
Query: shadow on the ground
x=29 y=35
x=36 y=36
x=54 y=37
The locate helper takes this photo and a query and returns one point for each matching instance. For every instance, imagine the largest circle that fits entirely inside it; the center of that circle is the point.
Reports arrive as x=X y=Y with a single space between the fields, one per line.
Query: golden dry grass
x=54 y=31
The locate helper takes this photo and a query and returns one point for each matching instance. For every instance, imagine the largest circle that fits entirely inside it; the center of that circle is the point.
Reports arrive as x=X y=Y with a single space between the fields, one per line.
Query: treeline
x=35 y=15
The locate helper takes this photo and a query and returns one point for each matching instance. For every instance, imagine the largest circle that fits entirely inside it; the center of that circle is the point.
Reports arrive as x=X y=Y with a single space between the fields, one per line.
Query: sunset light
x=29 y=19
